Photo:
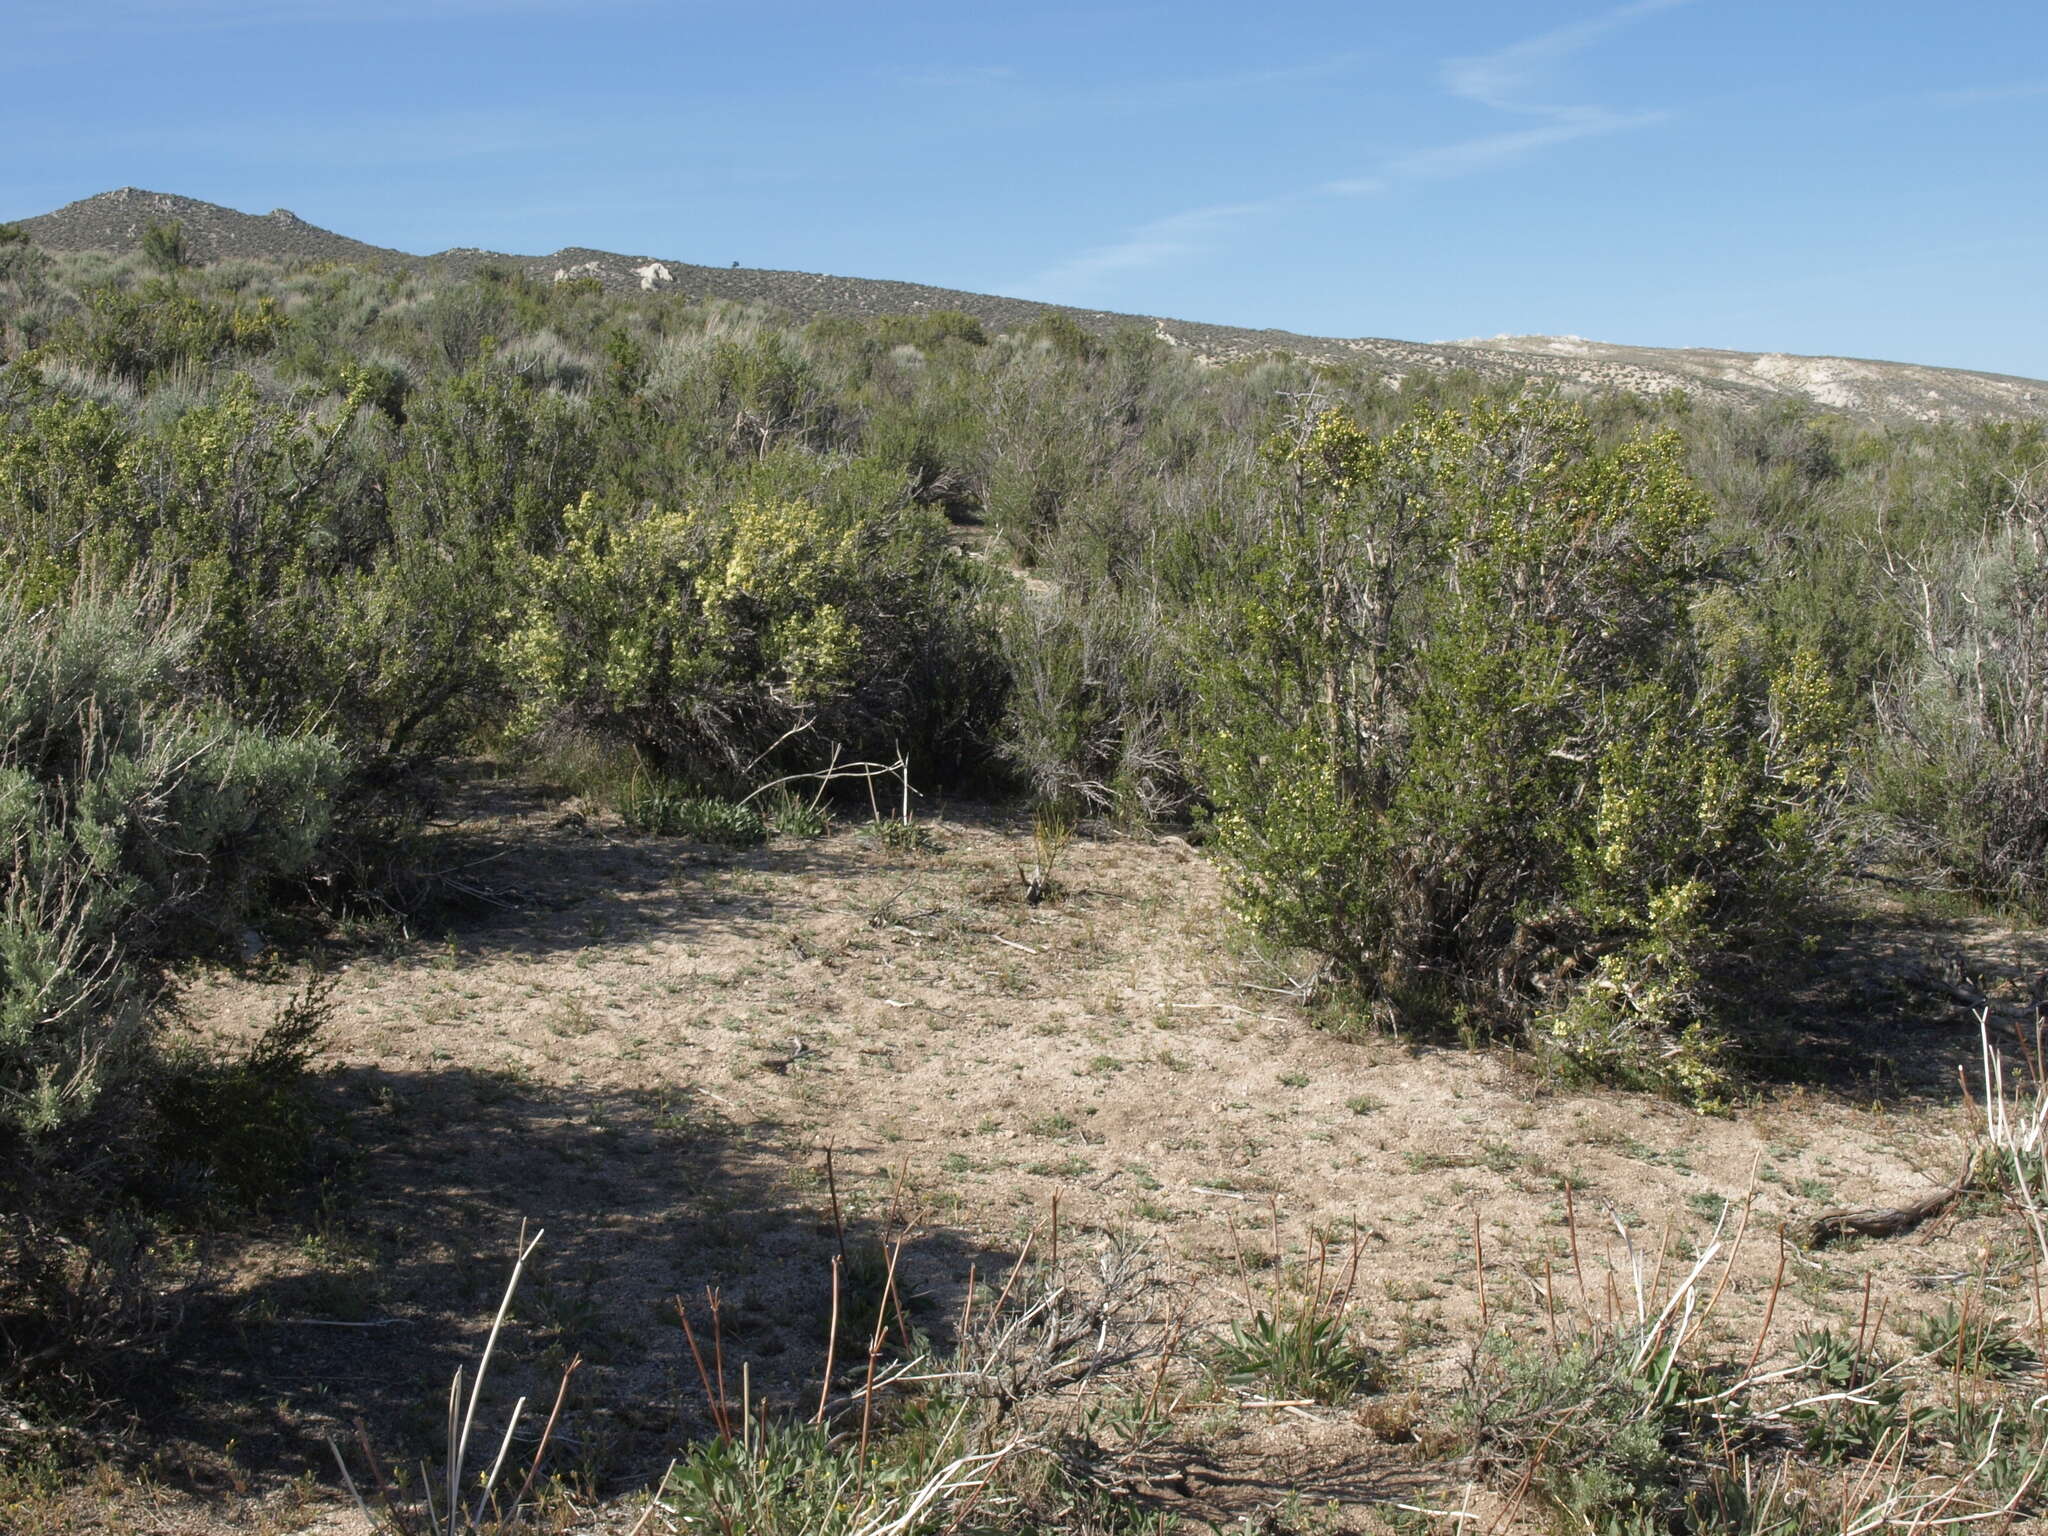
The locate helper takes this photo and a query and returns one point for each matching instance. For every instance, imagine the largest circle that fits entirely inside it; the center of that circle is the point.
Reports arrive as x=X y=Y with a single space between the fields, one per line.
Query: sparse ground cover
x=1351 y=1280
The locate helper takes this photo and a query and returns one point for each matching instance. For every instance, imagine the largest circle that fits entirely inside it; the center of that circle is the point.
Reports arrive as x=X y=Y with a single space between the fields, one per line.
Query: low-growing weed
x=1967 y=1338
x=788 y=814
x=1303 y=1344
x=1301 y=1351
x=668 y=812
x=903 y=836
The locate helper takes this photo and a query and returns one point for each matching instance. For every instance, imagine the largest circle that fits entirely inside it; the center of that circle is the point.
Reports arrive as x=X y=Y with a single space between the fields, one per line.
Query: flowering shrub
x=1466 y=739
x=703 y=637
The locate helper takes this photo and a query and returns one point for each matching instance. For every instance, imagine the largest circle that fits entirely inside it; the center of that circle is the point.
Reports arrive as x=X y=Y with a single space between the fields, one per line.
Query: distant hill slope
x=116 y=221
x=1860 y=385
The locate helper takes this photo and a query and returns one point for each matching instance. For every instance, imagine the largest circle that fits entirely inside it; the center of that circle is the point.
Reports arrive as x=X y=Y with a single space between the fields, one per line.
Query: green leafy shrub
x=930 y=330
x=707 y=639
x=407 y=636
x=1465 y=737
x=369 y=600
x=144 y=333
x=233 y=506
x=164 y=247
x=246 y=1126
x=61 y=481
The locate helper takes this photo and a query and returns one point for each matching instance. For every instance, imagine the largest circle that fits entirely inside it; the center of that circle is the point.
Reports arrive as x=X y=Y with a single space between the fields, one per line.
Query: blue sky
x=1862 y=177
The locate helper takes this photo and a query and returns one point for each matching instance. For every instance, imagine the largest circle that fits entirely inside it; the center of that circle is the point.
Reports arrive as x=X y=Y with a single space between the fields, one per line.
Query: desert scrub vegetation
x=1074 y=1387
x=1629 y=1410
x=1524 y=715
x=1531 y=720
x=1617 y=1433
x=706 y=640
x=1032 y=1418
x=1959 y=773
x=140 y=823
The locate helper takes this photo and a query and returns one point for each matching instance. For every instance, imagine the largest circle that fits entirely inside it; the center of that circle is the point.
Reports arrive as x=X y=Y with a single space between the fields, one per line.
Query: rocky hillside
x=116 y=221
x=1860 y=385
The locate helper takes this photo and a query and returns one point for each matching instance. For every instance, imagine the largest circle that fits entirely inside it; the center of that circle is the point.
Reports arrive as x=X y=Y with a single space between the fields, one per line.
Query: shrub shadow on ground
x=1882 y=1011
x=363 y=1309
x=540 y=890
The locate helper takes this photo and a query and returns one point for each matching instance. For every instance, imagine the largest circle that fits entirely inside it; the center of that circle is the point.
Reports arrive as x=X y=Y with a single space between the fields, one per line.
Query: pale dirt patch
x=646 y=1047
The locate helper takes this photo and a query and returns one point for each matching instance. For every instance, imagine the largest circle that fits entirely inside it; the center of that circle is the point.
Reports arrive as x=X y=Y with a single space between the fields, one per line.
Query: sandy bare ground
x=647 y=1048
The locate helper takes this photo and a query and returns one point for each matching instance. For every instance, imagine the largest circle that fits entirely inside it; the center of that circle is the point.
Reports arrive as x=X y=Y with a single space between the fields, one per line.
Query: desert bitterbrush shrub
x=706 y=637
x=144 y=333
x=1463 y=737
x=1099 y=703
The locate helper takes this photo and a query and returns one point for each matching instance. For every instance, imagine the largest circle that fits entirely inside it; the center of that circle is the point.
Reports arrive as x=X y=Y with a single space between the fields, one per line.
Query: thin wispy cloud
x=1506 y=78
x=1488 y=152
x=1981 y=95
x=1154 y=244
x=1511 y=79
x=1515 y=79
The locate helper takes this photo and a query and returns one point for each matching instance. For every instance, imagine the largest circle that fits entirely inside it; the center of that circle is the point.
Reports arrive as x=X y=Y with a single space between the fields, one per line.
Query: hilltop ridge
x=1869 y=388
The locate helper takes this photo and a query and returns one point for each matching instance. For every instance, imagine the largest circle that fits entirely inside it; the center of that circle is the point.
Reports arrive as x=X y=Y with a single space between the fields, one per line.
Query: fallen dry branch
x=1887 y=1221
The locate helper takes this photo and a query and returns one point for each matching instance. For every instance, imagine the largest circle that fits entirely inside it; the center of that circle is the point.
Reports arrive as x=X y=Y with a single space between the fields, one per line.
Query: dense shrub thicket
x=1524 y=714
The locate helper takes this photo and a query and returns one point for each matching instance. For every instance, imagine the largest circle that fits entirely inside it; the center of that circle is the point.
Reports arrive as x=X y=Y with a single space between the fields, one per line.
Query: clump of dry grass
x=2016 y=1126
x=463 y=1507
x=1001 y=1431
x=1632 y=1421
